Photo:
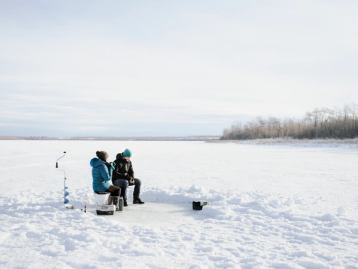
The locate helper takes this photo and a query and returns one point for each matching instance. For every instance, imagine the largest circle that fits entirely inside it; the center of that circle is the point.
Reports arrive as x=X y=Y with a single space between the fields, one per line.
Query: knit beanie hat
x=102 y=155
x=127 y=153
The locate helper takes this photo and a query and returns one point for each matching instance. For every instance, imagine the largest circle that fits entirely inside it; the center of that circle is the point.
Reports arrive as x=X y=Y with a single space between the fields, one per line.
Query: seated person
x=101 y=174
x=123 y=176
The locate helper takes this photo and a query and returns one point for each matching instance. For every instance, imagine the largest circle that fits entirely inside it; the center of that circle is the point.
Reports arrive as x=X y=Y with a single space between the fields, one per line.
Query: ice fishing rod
x=64 y=153
x=66 y=193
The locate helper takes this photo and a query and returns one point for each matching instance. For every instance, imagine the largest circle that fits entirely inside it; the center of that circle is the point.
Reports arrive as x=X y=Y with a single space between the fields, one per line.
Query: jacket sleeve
x=110 y=167
x=104 y=173
x=130 y=171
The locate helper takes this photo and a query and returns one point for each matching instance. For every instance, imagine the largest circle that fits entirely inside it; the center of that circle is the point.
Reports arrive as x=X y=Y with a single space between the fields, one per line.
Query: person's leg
x=136 y=192
x=123 y=184
x=137 y=184
x=114 y=190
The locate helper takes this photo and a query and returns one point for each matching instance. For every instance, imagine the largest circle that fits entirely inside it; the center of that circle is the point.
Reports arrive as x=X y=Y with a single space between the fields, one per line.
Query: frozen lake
x=324 y=175
x=270 y=206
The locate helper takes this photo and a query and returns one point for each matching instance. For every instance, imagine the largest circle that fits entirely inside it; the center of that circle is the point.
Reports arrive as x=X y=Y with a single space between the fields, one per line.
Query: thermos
x=118 y=202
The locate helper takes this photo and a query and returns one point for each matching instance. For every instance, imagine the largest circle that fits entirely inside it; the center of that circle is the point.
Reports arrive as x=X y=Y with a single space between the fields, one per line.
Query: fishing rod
x=64 y=153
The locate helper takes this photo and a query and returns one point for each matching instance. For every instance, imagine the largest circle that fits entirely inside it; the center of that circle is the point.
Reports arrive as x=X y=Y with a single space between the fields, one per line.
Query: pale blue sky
x=122 y=68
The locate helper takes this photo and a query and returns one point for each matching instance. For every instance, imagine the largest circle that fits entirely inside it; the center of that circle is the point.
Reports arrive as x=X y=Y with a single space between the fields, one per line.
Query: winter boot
x=137 y=200
x=115 y=201
x=110 y=200
x=125 y=203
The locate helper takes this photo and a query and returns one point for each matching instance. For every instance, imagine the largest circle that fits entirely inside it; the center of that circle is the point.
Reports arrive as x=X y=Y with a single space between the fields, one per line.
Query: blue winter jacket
x=101 y=175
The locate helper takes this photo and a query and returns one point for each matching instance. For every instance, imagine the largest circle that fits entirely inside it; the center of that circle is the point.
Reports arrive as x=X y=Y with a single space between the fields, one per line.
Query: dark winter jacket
x=101 y=175
x=123 y=168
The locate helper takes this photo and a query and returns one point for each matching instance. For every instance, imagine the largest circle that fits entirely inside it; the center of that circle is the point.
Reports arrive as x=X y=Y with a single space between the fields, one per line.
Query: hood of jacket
x=119 y=157
x=95 y=162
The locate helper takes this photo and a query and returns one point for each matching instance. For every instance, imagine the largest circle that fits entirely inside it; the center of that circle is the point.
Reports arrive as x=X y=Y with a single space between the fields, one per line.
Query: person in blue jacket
x=102 y=174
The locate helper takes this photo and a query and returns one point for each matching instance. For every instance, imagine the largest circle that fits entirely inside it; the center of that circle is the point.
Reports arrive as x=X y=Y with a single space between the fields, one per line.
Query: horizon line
x=112 y=138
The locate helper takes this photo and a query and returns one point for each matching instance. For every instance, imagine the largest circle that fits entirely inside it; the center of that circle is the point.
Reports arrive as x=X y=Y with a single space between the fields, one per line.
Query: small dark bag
x=198 y=205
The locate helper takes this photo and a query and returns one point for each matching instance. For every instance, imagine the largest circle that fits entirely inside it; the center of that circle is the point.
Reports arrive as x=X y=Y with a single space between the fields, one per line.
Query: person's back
x=101 y=175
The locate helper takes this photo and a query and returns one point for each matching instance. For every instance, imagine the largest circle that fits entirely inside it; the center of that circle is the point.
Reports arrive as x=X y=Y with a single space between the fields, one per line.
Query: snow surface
x=269 y=206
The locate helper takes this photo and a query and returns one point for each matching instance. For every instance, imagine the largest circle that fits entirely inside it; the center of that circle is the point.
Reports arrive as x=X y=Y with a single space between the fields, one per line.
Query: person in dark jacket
x=102 y=173
x=123 y=176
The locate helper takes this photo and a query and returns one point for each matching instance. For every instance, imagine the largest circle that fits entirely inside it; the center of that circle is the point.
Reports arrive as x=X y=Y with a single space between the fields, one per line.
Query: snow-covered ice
x=269 y=206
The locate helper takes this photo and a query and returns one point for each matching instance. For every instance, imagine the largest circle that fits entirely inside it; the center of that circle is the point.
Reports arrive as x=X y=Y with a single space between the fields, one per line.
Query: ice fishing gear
x=64 y=153
x=66 y=193
x=197 y=205
x=84 y=209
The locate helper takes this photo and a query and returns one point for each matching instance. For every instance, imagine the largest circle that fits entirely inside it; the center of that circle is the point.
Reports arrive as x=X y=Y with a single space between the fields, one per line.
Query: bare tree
x=319 y=123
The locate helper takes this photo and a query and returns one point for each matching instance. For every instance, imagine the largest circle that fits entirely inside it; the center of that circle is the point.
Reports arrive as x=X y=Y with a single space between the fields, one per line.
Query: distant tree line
x=319 y=123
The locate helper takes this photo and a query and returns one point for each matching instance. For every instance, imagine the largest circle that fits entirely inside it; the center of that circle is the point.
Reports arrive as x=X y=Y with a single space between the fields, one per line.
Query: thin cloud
x=115 y=67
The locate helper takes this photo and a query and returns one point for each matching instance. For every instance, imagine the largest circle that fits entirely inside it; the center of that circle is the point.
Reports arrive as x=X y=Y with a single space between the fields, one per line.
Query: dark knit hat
x=102 y=155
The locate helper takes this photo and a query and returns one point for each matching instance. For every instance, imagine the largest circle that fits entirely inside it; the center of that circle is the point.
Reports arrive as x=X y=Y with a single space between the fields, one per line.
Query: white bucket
x=101 y=199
